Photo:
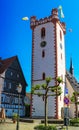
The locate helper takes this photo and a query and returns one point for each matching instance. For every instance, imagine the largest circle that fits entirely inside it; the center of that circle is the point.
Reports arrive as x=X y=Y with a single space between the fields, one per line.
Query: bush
x=74 y=122
x=42 y=127
x=14 y=116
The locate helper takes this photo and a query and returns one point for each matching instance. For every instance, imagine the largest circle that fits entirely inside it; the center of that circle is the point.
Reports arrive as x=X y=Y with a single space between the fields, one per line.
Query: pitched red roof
x=4 y=64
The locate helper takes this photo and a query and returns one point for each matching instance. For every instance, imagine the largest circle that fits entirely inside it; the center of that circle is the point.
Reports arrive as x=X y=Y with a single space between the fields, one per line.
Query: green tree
x=55 y=91
x=74 y=99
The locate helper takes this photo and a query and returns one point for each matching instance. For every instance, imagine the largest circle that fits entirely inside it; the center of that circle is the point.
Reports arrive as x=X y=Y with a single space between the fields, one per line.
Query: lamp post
x=19 y=89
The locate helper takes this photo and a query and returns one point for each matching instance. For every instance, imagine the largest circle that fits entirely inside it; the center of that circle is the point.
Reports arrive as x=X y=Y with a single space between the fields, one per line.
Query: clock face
x=43 y=44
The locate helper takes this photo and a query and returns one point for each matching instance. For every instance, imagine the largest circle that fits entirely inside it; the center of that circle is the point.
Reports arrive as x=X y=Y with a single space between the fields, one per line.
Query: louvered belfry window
x=43 y=32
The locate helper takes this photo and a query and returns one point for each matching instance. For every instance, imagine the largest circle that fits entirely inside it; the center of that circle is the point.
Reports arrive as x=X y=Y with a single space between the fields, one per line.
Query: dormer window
x=43 y=32
x=17 y=75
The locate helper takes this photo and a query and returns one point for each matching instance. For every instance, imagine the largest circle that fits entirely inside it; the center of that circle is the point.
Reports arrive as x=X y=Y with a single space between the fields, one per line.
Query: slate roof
x=4 y=64
x=72 y=81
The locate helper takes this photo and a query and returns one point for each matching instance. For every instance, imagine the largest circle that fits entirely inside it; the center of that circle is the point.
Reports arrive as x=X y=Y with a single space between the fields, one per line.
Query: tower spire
x=71 y=67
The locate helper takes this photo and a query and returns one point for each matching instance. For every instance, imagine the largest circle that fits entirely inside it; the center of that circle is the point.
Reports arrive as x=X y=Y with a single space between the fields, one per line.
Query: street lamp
x=19 y=89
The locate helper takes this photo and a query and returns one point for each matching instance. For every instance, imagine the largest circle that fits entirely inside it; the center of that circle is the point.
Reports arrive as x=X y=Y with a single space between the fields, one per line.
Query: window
x=43 y=53
x=4 y=84
x=13 y=110
x=43 y=76
x=60 y=35
x=43 y=97
x=9 y=85
x=61 y=56
x=61 y=45
x=2 y=99
x=6 y=111
x=17 y=75
x=43 y=32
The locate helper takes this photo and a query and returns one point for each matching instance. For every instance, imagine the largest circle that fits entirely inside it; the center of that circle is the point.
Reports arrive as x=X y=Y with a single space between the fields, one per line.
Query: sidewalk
x=69 y=128
x=72 y=128
x=9 y=125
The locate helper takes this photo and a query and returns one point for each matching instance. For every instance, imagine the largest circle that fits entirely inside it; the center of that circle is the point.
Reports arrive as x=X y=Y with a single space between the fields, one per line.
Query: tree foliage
x=74 y=99
x=48 y=91
x=55 y=89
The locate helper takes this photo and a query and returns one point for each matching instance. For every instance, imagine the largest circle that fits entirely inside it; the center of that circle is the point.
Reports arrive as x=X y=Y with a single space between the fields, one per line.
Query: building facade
x=48 y=59
x=11 y=76
x=27 y=104
x=73 y=86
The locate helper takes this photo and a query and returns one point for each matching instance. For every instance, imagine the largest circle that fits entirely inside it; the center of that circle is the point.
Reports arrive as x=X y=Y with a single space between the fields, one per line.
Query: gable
x=72 y=81
x=16 y=70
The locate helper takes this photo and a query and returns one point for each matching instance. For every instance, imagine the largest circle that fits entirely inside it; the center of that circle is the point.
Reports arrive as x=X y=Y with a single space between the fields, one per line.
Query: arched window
x=43 y=32
x=60 y=35
x=43 y=76
x=61 y=45
x=43 y=53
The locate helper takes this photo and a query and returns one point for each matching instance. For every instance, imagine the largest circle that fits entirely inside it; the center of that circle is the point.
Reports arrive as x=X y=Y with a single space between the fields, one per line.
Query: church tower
x=48 y=59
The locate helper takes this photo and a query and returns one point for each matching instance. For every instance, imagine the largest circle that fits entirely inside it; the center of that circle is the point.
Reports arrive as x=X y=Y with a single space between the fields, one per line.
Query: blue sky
x=16 y=35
